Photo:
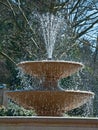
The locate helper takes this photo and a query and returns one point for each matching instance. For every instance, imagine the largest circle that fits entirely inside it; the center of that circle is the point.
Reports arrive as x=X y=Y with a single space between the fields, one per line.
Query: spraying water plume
x=51 y=25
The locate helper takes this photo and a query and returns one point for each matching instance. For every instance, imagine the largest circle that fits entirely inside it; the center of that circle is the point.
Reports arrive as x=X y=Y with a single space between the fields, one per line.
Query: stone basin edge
x=50 y=121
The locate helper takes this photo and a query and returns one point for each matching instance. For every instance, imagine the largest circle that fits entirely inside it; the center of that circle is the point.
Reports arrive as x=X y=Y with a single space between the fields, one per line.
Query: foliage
x=15 y=110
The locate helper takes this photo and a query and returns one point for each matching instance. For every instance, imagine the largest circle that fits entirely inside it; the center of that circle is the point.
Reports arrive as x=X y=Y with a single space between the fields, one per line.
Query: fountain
x=50 y=99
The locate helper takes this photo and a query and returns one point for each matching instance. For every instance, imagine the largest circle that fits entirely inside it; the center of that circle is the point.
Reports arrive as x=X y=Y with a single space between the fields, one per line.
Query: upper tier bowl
x=50 y=69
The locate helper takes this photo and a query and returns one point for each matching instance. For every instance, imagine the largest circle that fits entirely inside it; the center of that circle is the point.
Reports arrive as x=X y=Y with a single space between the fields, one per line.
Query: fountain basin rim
x=52 y=61
x=66 y=91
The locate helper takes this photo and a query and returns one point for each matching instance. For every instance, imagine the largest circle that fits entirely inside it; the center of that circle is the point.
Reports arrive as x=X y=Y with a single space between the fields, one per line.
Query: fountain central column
x=50 y=83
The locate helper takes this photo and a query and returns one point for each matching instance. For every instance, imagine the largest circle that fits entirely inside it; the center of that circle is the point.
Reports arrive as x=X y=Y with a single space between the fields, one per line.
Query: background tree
x=21 y=39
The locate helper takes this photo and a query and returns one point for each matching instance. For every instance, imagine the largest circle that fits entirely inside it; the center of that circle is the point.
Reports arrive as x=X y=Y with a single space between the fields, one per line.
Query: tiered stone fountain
x=50 y=99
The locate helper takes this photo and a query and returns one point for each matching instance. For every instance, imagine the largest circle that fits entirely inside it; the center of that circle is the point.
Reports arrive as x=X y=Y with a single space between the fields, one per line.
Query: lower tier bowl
x=50 y=103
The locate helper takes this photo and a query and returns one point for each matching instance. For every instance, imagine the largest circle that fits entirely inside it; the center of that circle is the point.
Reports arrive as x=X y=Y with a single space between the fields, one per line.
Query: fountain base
x=48 y=123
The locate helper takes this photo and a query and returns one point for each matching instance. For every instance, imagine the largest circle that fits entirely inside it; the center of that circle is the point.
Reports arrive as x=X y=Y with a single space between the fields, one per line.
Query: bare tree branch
x=88 y=28
x=96 y=50
x=75 y=6
x=11 y=8
x=84 y=19
x=4 y=4
x=27 y=22
x=6 y=56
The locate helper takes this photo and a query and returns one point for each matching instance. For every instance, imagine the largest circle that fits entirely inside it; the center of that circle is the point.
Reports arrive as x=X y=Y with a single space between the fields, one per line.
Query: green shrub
x=15 y=110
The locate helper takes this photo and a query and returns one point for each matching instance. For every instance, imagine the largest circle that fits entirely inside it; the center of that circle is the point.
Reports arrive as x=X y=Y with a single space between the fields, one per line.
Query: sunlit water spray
x=88 y=109
x=75 y=83
x=28 y=82
x=25 y=80
x=51 y=25
x=32 y=82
